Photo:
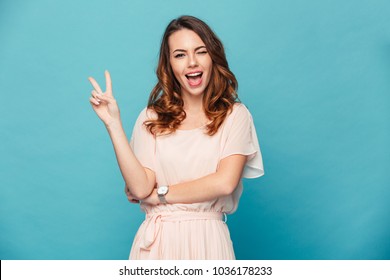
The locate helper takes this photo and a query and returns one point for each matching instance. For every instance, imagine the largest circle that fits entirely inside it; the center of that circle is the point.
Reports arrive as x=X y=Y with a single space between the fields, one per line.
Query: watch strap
x=162 y=199
x=161 y=194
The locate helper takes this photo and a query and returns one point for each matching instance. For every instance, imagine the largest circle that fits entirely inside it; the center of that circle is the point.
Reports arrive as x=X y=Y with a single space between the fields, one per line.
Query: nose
x=192 y=61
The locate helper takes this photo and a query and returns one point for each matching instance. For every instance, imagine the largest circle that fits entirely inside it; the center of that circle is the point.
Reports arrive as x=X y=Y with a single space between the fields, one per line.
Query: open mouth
x=194 y=79
x=194 y=75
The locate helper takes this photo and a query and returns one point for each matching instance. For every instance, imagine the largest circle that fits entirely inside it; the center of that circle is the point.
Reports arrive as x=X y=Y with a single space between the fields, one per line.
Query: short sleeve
x=142 y=142
x=240 y=138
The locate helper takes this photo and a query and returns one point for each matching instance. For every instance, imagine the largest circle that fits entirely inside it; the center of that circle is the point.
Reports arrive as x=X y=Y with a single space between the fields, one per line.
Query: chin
x=195 y=92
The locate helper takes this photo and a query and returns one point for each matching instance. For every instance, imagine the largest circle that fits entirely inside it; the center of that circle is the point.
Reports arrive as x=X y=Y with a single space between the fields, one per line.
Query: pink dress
x=197 y=230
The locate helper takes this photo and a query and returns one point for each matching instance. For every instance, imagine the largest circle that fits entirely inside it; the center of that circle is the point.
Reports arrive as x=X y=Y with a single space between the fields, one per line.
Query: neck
x=193 y=104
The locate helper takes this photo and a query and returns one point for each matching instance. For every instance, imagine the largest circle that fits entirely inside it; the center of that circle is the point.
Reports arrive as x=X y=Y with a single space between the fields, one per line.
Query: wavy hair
x=166 y=100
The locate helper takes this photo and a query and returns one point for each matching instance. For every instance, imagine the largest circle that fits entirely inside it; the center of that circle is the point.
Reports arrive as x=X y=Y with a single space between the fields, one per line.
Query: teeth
x=194 y=74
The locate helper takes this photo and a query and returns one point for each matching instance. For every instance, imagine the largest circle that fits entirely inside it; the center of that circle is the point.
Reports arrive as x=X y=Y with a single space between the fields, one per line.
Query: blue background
x=315 y=75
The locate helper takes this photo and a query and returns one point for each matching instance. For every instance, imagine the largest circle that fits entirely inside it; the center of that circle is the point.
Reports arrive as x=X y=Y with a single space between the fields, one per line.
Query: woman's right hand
x=104 y=104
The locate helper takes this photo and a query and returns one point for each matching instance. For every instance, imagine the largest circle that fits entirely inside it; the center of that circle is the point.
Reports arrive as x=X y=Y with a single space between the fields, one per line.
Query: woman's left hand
x=130 y=198
x=152 y=199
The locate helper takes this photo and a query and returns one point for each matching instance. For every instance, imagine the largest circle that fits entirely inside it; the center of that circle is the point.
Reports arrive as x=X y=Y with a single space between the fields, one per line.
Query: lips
x=194 y=78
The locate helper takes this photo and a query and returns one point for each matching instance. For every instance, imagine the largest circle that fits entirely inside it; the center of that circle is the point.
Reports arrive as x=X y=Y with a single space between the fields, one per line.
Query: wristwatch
x=161 y=192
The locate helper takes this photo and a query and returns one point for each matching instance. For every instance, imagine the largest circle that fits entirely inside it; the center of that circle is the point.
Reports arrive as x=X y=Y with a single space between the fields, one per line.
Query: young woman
x=189 y=149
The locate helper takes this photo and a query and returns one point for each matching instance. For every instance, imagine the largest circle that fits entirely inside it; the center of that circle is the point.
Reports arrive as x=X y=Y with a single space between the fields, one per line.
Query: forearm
x=221 y=183
x=203 y=189
x=138 y=181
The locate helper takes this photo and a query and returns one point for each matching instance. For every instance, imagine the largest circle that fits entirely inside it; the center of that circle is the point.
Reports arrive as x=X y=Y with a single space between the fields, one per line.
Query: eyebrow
x=181 y=50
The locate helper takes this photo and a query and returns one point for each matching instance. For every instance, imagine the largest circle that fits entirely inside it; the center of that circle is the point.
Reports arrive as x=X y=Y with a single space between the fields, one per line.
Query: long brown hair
x=165 y=98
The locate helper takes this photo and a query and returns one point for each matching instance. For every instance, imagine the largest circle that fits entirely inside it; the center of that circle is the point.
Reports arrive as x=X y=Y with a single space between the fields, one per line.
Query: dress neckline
x=192 y=129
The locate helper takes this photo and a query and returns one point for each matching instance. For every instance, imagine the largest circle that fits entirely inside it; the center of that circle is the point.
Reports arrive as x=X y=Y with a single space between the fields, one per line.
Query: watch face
x=162 y=190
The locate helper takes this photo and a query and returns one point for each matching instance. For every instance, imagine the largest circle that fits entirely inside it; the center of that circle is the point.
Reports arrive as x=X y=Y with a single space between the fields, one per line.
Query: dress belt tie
x=153 y=225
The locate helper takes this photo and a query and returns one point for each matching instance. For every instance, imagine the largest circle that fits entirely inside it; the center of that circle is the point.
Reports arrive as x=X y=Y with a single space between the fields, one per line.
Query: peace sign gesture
x=104 y=104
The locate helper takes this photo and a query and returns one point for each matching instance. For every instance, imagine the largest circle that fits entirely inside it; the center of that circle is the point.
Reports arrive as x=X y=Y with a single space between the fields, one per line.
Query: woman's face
x=190 y=62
